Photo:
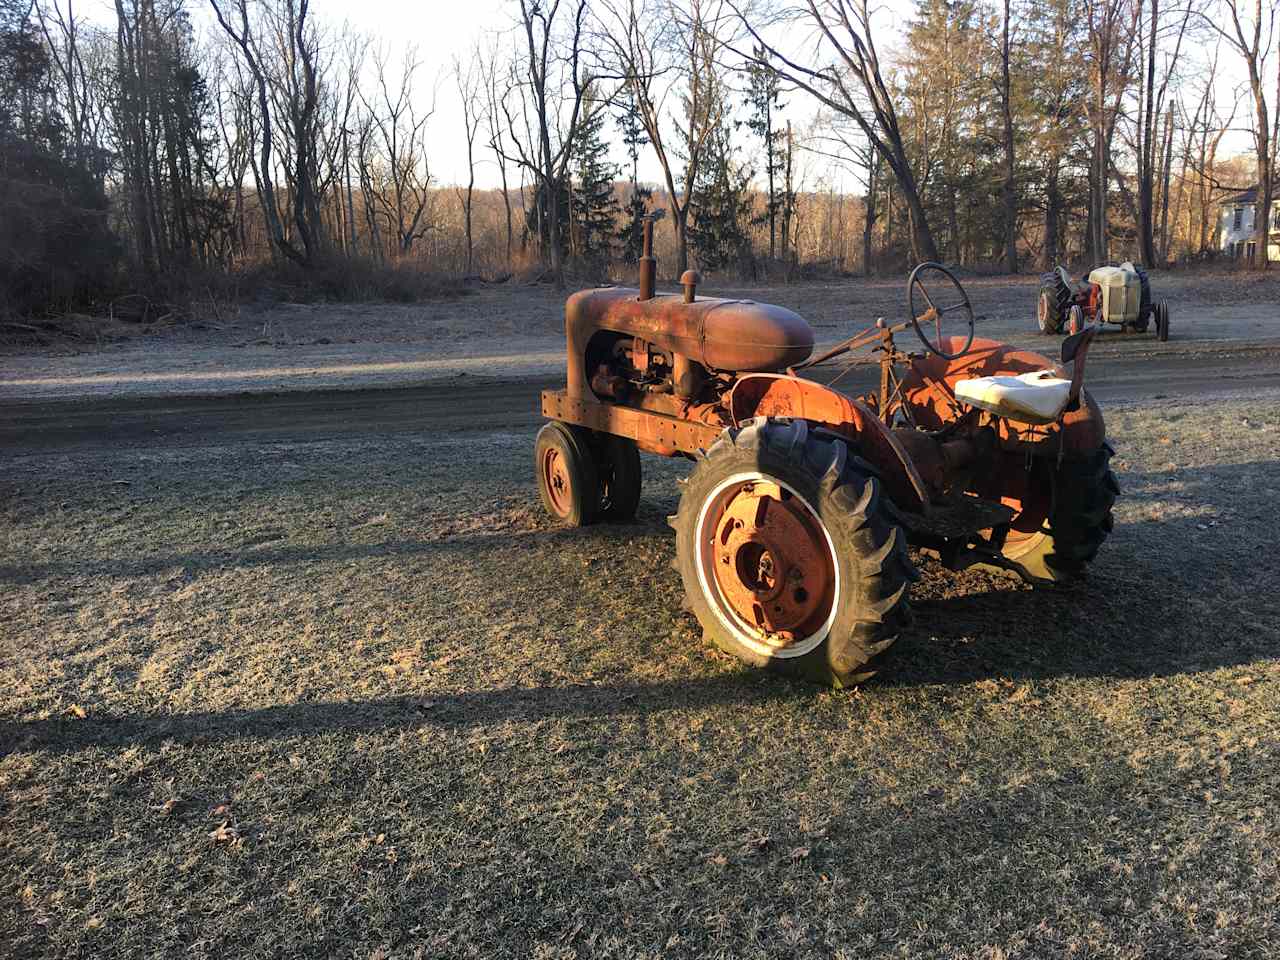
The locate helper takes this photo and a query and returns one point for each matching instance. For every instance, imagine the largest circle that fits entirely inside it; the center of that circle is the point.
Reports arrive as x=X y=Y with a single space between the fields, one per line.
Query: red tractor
x=793 y=526
x=1118 y=295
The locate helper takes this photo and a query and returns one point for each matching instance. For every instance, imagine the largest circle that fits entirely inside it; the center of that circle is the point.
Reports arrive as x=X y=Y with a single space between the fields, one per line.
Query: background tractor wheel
x=1054 y=301
x=617 y=464
x=1083 y=492
x=566 y=472
x=1144 y=299
x=1075 y=319
x=1162 y=320
x=787 y=556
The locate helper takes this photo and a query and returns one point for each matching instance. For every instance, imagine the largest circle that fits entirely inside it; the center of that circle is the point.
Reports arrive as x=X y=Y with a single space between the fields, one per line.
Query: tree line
x=788 y=135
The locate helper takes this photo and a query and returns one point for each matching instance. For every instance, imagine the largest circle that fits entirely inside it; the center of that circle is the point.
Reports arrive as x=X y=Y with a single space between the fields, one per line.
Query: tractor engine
x=622 y=347
x=673 y=354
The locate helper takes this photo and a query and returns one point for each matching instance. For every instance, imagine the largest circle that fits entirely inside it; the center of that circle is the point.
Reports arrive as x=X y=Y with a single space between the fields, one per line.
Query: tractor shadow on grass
x=1187 y=588
x=1175 y=594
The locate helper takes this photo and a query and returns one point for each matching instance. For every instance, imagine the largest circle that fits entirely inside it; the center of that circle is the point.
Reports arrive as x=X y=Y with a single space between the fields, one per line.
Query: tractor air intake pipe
x=648 y=265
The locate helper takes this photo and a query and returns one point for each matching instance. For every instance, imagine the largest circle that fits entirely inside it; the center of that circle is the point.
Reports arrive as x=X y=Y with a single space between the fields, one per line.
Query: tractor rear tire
x=566 y=473
x=788 y=558
x=617 y=462
x=1083 y=493
x=1053 y=303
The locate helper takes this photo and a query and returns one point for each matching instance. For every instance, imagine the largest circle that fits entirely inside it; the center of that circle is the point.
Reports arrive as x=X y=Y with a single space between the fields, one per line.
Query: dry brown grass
x=359 y=699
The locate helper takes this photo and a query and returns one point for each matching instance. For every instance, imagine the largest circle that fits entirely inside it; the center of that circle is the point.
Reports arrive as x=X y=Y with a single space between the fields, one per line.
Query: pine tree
x=722 y=208
x=633 y=138
x=950 y=119
x=764 y=102
x=594 y=207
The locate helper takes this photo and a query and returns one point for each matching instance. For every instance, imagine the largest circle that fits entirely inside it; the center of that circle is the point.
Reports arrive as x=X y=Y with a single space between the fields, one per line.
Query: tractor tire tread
x=878 y=593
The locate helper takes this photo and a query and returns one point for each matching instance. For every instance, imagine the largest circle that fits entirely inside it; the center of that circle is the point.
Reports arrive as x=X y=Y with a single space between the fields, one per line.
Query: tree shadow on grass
x=273 y=554
x=444 y=710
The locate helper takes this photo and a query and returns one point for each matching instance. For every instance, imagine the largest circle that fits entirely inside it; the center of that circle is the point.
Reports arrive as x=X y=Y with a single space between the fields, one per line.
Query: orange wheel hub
x=772 y=563
x=556 y=480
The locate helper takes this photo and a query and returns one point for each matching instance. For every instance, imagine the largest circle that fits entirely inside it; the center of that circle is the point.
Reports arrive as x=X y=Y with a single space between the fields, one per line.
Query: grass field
x=358 y=699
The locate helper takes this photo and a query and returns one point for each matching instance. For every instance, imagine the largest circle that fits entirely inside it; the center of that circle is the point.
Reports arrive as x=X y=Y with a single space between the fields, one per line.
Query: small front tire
x=1162 y=320
x=568 y=483
x=617 y=461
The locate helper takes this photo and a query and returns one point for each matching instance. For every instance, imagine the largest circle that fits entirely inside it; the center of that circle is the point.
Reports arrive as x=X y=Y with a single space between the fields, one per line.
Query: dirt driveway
x=514 y=332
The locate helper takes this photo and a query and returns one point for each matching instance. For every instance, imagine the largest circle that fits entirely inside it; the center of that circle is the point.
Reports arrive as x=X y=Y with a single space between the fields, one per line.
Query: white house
x=1236 y=224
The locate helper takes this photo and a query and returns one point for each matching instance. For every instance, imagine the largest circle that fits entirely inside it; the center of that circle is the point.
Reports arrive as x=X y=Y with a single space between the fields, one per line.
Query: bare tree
x=496 y=137
x=1111 y=32
x=551 y=77
x=852 y=84
x=399 y=126
x=664 y=52
x=854 y=155
x=62 y=31
x=242 y=35
x=468 y=81
x=1252 y=35
x=1152 y=144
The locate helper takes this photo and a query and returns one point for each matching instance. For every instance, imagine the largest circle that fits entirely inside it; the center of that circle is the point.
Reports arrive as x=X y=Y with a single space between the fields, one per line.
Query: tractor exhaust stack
x=648 y=265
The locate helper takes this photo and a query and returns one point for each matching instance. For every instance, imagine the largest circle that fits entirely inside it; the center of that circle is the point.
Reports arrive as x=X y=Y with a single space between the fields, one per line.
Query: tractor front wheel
x=568 y=482
x=617 y=463
x=788 y=559
x=1162 y=320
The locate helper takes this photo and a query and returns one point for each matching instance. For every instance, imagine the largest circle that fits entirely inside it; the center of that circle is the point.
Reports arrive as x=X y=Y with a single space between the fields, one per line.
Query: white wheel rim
x=751 y=639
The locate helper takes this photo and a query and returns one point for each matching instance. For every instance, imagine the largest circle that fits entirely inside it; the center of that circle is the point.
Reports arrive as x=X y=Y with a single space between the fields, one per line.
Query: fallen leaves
x=224 y=833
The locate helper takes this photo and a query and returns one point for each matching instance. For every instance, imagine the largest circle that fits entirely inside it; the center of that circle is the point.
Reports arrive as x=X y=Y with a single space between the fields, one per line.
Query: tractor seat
x=1038 y=397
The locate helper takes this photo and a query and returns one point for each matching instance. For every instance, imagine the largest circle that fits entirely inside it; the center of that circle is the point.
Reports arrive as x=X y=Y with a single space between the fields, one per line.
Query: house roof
x=1249 y=196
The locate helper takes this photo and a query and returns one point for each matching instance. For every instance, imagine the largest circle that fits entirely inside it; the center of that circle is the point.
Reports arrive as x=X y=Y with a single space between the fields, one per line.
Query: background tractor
x=792 y=528
x=1118 y=295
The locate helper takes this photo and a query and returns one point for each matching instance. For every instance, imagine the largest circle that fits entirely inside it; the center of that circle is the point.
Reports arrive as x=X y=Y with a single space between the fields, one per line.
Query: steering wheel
x=931 y=313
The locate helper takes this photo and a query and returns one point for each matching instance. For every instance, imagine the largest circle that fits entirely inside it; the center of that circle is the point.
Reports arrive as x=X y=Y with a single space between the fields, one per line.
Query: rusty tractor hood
x=729 y=335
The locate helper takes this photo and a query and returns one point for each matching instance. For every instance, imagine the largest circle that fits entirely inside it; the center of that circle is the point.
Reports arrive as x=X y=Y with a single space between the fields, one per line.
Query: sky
x=443 y=29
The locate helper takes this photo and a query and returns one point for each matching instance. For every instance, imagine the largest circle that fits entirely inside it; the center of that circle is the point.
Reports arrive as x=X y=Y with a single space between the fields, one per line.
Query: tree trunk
x=922 y=246
x=681 y=223
x=1052 y=205
x=1147 y=147
x=1009 y=191
x=1166 y=176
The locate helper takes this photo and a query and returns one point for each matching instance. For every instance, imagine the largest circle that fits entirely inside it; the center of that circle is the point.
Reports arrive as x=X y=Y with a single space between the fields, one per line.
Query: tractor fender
x=783 y=395
x=928 y=387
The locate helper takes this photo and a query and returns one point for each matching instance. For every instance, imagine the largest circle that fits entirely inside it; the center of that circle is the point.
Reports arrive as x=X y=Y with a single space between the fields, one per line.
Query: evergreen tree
x=594 y=207
x=633 y=138
x=764 y=102
x=722 y=208
x=950 y=123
